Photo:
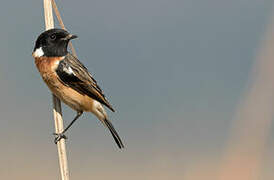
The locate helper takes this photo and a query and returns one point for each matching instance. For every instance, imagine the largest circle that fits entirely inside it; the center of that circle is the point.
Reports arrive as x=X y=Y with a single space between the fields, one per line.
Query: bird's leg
x=59 y=136
x=79 y=113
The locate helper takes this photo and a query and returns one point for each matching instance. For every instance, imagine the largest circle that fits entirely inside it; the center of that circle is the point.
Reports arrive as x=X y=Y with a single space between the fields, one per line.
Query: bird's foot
x=59 y=136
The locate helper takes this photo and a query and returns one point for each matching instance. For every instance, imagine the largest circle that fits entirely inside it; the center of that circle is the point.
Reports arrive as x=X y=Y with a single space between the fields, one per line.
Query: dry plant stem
x=57 y=111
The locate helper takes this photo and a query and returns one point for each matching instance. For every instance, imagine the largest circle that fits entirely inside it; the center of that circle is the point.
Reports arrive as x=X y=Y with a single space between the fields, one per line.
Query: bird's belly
x=69 y=96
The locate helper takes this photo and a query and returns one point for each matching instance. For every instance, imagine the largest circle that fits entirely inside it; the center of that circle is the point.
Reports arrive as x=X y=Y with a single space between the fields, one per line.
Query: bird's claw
x=59 y=136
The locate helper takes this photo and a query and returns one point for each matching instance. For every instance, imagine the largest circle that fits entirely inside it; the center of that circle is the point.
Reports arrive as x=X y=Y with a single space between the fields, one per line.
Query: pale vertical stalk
x=245 y=154
x=57 y=111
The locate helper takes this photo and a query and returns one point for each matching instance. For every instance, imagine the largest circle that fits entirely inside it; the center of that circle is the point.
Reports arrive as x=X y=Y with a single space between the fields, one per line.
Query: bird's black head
x=52 y=43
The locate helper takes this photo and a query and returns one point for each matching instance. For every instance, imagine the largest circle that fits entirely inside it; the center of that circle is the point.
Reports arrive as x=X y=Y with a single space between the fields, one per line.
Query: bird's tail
x=100 y=112
x=114 y=133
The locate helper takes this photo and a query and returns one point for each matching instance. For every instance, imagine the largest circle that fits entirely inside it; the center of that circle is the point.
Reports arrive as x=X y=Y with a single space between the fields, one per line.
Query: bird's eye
x=53 y=37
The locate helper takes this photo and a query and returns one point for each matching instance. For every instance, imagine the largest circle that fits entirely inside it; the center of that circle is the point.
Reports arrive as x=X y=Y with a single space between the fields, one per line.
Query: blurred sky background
x=175 y=71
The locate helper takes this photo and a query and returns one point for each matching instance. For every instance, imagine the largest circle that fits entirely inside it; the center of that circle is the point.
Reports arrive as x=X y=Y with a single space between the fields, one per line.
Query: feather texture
x=74 y=74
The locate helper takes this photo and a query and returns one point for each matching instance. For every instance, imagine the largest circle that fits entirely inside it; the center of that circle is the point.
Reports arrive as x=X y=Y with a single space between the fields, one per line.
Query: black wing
x=75 y=75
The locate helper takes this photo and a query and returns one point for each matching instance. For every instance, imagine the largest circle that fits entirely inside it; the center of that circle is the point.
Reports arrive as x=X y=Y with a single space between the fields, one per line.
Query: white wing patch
x=68 y=70
x=38 y=52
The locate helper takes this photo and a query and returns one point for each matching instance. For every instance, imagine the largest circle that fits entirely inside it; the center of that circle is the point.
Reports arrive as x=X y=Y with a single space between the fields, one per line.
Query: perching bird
x=69 y=80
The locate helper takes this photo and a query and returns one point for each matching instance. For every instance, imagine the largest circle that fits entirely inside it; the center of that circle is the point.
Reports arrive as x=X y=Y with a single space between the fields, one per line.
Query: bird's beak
x=69 y=37
x=72 y=36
